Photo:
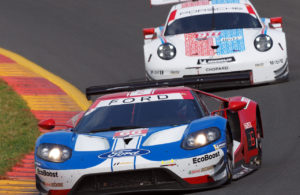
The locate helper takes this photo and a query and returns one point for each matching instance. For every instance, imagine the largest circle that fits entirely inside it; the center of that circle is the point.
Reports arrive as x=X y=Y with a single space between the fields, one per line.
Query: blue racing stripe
x=266 y=30
x=137 y=147
x=224 y=1
x=230 y=41
x=112 y=160
x=161 y=28
x=161 y=39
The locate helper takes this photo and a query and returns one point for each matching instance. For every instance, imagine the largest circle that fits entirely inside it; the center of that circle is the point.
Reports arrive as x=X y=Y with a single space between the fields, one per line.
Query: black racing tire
x=229 y=157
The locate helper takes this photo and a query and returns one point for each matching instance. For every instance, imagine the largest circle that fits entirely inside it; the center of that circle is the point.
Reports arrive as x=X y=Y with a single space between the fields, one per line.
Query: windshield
x=139 y=115
x=208 y=22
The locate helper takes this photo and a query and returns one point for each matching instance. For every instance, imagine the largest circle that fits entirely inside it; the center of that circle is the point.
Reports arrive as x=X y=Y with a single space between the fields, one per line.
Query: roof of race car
x=144 y=92
x=221 y=6
x=209 y=2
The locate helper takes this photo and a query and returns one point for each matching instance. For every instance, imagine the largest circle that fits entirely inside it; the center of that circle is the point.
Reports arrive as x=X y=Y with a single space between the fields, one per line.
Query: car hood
x=212 y=43
x=155 y=144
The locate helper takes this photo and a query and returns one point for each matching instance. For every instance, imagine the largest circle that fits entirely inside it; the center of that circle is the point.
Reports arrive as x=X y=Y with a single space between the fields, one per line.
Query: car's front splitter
x=207 y=169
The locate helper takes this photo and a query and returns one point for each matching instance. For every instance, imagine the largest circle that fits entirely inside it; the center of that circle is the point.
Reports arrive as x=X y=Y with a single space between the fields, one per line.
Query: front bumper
x=198 y=172
x=225 y=75
x=157 y=179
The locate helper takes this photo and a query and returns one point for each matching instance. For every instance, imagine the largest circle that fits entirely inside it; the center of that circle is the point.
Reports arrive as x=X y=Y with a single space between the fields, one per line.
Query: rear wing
x=199 y=82
x=164 y=2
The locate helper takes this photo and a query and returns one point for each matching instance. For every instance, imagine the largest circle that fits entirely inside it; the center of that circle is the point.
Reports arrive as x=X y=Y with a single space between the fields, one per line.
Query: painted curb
x=72 y=91
x=47 y=96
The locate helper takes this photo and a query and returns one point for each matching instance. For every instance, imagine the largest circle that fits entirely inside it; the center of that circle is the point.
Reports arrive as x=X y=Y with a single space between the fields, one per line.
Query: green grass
x=18 y=128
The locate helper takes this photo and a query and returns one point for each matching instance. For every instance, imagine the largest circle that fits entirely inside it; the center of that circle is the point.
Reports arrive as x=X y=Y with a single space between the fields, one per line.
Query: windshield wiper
x=115 y=128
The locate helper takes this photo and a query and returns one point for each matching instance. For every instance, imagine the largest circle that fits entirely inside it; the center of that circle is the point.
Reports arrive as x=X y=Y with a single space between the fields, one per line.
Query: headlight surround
x=54 y=152
x=263 y=42
x=201 y=138
x=166 y=51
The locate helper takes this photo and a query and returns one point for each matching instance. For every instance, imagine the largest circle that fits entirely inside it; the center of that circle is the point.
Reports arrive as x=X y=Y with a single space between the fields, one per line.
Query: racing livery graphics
x=222 y=42
x=150 y=138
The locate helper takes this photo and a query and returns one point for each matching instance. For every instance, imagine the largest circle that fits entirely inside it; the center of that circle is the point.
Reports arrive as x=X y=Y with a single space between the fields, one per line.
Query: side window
x=234 y=123
x=210 y=103
x=201 y=103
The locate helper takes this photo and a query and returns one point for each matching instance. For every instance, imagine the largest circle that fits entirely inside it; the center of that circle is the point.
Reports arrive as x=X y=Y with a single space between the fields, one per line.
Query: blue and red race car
x=149 y=136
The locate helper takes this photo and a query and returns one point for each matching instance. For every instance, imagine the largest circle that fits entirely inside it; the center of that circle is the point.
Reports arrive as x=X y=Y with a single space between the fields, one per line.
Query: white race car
x=223 y=42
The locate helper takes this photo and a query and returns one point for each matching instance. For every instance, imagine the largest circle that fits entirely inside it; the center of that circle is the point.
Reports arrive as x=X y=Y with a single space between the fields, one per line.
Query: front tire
x=229 y=157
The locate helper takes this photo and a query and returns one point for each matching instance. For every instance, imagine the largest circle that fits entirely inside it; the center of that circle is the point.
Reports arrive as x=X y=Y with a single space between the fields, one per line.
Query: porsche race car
x=149 y=136
x=216 y=39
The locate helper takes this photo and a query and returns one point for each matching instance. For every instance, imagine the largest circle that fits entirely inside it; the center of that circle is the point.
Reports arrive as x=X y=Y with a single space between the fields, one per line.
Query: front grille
x=126 y=181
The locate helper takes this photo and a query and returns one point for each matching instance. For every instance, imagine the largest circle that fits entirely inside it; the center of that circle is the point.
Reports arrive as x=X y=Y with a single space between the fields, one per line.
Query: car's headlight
x=201 y=138
x=166 y=51
x=54 y=152
x=263 y=42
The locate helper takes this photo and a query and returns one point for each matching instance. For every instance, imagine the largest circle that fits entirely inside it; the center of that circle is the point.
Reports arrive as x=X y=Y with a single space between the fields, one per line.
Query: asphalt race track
x=90 y=42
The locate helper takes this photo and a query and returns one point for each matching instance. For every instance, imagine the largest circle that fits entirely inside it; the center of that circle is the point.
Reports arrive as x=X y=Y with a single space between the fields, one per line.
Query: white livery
x=224 y=42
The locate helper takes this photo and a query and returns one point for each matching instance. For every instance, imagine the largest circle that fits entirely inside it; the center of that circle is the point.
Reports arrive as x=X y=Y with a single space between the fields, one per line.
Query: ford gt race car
x=216 y=39
x=141 y=137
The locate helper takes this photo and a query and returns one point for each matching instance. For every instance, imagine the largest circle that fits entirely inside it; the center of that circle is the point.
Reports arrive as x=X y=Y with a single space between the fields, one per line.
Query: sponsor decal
x=142 y=92
x=205 y=35
x=215 y=61
x=194 y=171
x=247 y=125
x=157 y=72
x=53 y=184
x=276 y=62
x=208 y=10
x=216 y=69
x=207 y=168
x=122 y=163
x=230 y=41
x=225 y=1
x=191 y=172
x=131 y=133
x=141 y=99
x=194 y=4
x=174 y=72
x=231 y=38
x=259 y=65
x=168 y=163
x=220 y=145
x=46 y=173
x=206 y=157
x=124 y=153
x=198 y=48
x=244 y=99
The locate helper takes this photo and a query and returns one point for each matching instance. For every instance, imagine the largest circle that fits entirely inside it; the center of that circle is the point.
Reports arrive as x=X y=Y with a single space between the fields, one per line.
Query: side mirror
x=149 y=33
x=276 y=22
x=236 y=105
x=47 y=124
